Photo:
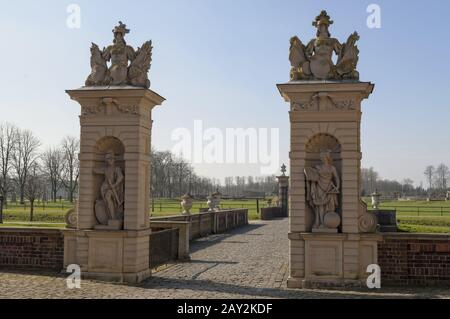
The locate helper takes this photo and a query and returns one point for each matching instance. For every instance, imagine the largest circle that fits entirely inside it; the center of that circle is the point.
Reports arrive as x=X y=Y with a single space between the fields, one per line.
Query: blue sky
x=219 y=61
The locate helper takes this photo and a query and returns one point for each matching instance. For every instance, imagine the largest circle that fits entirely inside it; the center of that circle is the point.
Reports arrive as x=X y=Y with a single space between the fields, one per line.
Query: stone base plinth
x=112 y=225
x=131 y=278
x=117 y=256
x=325 y=230
x=320 y=260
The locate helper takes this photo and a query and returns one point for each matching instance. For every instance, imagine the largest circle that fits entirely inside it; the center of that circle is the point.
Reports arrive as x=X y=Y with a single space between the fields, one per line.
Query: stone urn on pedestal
x=210 y=203
x=214 y=201
x=186 y=203
x=376 y=200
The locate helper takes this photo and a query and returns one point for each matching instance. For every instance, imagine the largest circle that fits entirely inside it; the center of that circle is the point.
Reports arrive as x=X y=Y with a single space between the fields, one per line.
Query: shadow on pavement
x=253 y=292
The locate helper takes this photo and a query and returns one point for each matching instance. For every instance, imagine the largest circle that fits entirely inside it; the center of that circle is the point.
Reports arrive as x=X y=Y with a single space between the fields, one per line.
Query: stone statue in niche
x=128 y=67
x=314 y=61
x=109 y=208
x=322 y=190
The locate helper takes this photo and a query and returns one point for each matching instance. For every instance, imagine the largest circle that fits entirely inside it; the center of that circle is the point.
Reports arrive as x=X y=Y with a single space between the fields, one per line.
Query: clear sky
x=219 y=61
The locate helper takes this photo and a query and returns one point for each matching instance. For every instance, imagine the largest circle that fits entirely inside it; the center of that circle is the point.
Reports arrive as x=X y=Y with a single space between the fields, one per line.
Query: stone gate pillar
x=332 y=236
x=111 y=240
x=283 y=191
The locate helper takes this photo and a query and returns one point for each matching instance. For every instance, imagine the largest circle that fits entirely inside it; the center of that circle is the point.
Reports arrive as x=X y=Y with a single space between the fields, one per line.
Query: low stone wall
x=43 y=248
x=414 y=259
x=163 y=246
x=271 y=213
x=31 y=248
x=204 y=224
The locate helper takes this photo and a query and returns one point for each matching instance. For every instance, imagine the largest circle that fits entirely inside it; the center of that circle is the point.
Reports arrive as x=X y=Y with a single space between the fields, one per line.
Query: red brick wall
x=414 y=259
x=31 y=248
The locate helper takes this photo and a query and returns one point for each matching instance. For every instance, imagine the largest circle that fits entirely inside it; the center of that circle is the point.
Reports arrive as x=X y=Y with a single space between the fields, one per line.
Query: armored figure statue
x=119 y=54
x=323 y=184
x=314 y=61
x=128 y=67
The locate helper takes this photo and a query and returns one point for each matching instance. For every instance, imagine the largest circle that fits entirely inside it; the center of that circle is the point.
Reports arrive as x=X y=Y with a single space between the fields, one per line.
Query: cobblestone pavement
x=250 y=262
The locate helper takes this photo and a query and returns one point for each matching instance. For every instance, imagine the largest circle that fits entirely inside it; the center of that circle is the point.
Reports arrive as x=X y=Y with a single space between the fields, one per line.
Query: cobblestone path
x=250 y=262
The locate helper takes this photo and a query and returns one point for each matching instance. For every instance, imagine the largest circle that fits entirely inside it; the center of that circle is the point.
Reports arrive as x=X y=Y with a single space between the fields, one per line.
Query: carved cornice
x=323 y=101
x=109 y=106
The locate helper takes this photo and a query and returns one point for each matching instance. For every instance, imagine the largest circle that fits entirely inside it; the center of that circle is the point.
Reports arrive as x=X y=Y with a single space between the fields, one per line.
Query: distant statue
x=128 y=67
x=323 y=185
x=111 y=204
x=314 y=61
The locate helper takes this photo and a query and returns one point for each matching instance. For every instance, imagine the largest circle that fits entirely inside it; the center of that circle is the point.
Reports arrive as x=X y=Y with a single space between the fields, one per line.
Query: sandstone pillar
x=111 y=239
x=332 y=236
x=116 y=119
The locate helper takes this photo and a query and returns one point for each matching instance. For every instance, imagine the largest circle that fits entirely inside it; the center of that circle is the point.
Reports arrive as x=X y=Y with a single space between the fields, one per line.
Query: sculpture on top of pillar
x=128 y=67
x=322 y=190
x=283 y=170
x=314 y=61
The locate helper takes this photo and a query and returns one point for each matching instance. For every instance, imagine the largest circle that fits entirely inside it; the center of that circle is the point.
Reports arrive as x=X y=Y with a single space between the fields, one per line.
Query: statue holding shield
x=109 y=207
x=322 y=190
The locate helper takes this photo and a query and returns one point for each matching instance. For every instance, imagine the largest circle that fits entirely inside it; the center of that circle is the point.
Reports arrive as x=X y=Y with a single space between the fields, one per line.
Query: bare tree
x=34 y=186
x=8 y=139
x=70 y=170
x=441 y=176
x=53 y=164
x=373 y=177
x=429 y=173
x=24 y=156
x=407 y=186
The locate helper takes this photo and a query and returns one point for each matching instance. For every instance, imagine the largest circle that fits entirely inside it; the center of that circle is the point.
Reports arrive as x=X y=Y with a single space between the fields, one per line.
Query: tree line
x=437 y=183
x=27 y=173
x=172 y=176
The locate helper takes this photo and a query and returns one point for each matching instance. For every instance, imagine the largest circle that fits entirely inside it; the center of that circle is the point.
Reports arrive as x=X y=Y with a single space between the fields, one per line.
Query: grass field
x=55 y=212
x=413 y=216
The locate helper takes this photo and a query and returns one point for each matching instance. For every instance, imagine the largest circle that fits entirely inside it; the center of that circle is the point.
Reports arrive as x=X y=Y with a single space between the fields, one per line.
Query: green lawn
x=43 y=212
x=431 y=217
x=416 y=208
x=424 y=224
x=55 y=212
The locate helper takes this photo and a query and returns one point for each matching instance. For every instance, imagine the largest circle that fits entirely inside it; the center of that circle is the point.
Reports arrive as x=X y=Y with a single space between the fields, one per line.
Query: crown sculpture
x=314 y=61
x=128 y=67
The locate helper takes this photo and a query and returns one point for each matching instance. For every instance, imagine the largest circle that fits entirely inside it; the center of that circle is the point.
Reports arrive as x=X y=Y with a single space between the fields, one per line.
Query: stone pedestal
x=117 y=120
x=326 y=116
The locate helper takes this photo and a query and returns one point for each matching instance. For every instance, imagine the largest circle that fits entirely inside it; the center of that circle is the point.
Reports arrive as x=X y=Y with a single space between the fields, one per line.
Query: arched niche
x=318 y=144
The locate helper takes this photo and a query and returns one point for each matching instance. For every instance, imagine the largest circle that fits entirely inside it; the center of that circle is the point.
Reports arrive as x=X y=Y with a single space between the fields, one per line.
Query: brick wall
x=163 y=246
x=31 y=248
x=415 y=259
